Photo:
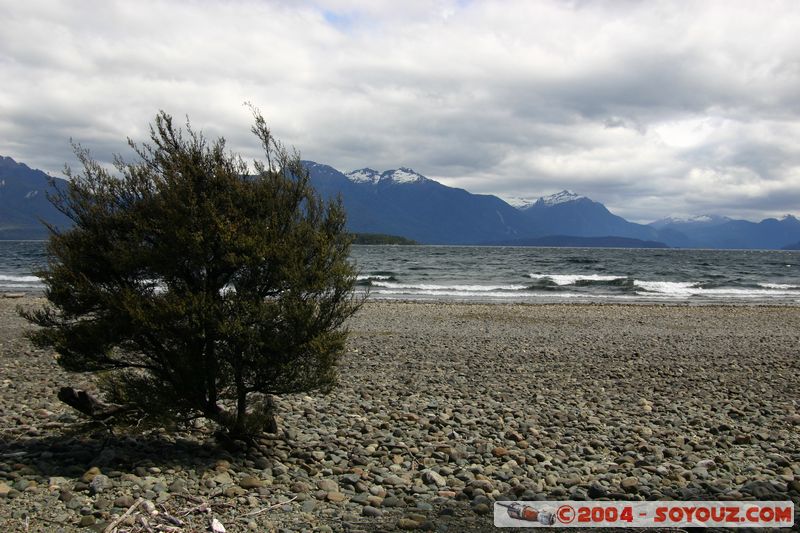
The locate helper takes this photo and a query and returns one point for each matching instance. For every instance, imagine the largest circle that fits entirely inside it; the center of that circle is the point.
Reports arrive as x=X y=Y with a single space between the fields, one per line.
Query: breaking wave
x=592 y=286
x=20 y=279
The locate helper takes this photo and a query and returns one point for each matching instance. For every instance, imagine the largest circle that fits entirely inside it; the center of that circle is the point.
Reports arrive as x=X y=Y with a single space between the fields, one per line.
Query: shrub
x=196 y=287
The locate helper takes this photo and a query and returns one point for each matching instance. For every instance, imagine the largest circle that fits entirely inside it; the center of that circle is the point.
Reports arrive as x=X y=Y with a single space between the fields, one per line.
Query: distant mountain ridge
x=403 y=202
x=23 y=202
x=690 y=222
x=566 y=213
x=561 y=197
x=713 y=231
x=568 y=241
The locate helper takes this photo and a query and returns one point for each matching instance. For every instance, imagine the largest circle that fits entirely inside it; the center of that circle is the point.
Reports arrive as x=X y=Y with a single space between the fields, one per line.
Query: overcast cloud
x=654 y=108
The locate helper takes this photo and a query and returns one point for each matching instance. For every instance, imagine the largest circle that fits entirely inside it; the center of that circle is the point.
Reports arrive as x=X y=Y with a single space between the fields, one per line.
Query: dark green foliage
x=380 y=238
x=196 y=288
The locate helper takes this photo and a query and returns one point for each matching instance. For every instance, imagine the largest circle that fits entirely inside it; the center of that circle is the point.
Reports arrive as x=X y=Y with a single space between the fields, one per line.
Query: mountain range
x=405 y=203
x=24 y=203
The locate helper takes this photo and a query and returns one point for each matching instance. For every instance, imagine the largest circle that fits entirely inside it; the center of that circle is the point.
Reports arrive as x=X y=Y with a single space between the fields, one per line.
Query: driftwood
x=273 y=506
x=113 y=525
x=88 y=404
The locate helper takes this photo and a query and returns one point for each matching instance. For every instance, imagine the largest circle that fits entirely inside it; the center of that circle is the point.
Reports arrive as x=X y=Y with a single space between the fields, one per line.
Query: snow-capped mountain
x=518 y=202
x=364 y=175
x=569 y=213
x=401 y=175
x=405 y=203
x=561 y=197
x=697 y=220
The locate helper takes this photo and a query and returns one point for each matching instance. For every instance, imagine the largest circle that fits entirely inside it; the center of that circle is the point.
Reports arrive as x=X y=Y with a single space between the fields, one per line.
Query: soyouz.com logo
x=644 y=514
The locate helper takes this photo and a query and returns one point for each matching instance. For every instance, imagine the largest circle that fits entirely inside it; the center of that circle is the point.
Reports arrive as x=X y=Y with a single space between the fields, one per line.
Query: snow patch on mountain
x=518 y=202
x=562 y=197
x=401 y=175
x=364 y=175
x=695 y=219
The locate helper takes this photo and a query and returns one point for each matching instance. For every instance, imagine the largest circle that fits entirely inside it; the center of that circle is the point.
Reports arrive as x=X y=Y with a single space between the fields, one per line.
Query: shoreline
x=441 y=409
x=546 y=301
x=598 y=302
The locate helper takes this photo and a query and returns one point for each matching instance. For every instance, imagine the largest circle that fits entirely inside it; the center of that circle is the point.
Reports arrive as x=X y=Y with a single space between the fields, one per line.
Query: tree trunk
x=269 y=407
x=88 y=404
x=240 y=427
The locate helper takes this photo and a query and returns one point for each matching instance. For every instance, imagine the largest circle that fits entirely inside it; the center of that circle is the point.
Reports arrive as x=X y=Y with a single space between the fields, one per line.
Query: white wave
x=779 y=286
x=677 y=288
x=473 y=294
x=372 y=277
x=507 y=296
x=456 y=288
x=444 y=292
x=681 y=289
x=20 y=279
x=571 y=279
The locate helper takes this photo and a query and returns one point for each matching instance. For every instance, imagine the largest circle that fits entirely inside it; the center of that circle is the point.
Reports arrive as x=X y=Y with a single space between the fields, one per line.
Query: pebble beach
x=441 y=409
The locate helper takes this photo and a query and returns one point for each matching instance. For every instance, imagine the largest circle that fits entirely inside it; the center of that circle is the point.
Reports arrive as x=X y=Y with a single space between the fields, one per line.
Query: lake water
x=579 y=274
x=510 y=274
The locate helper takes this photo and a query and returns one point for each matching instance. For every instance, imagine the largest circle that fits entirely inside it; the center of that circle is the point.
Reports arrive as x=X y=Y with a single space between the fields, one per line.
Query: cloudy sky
x=654 y=108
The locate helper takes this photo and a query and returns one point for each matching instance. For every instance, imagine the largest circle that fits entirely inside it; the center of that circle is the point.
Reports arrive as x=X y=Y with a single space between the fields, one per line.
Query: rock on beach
x=441 y=410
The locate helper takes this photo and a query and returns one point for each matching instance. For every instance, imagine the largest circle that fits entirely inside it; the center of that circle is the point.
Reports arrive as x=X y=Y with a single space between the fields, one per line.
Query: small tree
x=197 y=289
